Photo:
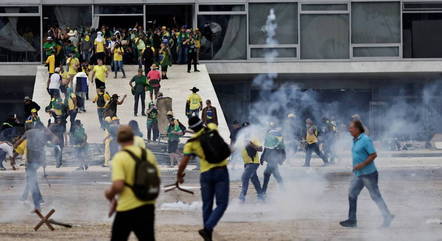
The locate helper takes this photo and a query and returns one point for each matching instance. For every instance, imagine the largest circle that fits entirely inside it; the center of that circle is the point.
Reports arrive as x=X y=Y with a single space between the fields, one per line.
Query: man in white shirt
x=81 y=88
x=6 y=151
x=54 y=83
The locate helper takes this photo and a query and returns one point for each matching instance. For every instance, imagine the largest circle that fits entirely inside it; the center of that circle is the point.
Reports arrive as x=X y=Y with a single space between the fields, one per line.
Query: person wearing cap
x=86 y=47
x=112 y=105
x=101 y=99
x=152 y=123
x=29 y=105
x=214 y=178
x=34 y=116
x=50 y=62
x=194 y=103
x=99 y=74
x=49 y=46
x=54 y=83
x=139 y=91
x=154 y=77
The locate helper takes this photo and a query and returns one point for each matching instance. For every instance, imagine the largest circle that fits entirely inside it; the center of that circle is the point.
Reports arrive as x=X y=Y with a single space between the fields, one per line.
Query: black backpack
x=146 y=185
x=101 y=102
x=214 y=147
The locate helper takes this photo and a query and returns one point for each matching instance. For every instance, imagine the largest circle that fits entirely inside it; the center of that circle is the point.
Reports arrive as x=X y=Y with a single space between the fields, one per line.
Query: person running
x=209 y=114
x=81 y=88
x=365 y=175
x=152 y=123
x=165 y=60
x=132 y=214
x=99 y=74
x=57 y=127
x=250 y=157
x=73 y=65
x=118 y=60
x=214 y=178
x=139 y=91
x=274 y=155
x=174 y=132
x=154 y=77
x=101 y=99
x=194 y=103
x=312 y=140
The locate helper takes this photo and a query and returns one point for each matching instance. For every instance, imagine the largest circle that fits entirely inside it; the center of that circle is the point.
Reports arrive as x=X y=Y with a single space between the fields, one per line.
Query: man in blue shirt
x=365 y=175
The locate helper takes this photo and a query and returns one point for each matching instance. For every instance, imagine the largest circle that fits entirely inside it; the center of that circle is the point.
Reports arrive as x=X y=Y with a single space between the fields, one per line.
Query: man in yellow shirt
x=50 y=61
x=99 y=46
x=118 y=60
x=194 y=103
x=132 y=214
x=251 y=160
x=311 y=138
x=73 y=64
x=99 y=74
x=214 y=178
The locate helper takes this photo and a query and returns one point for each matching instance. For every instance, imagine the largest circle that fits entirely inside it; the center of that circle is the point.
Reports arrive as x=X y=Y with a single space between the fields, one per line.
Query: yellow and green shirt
x=245 y=156
x=194 y=101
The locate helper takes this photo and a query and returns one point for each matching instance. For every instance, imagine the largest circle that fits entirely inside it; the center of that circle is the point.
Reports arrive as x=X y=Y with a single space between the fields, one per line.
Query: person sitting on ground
x=209 y=114
x=132 y=214
x=154 y=77
x=194 y=103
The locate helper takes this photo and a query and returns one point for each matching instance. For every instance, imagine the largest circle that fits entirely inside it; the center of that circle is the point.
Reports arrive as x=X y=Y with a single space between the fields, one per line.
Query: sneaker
x=188 y=71
x=387 y=221
x=205 y=234
x=196 y=70
x=349 y=223
x=2 y=169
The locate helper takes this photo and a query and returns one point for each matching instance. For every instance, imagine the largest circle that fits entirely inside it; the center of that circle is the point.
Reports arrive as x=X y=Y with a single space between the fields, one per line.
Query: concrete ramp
x=177 y=87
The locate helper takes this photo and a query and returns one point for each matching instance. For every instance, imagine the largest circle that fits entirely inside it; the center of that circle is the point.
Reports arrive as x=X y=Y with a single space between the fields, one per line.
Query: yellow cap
x=34 y=110
x=115 y=118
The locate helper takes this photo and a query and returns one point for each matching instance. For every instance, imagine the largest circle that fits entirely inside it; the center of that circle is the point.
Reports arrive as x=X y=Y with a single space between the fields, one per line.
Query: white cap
x=57 y=70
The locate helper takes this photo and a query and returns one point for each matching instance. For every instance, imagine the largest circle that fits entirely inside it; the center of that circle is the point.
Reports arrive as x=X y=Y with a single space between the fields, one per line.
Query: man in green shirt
x=49 y=47
x=152 y=122
x=139 y=91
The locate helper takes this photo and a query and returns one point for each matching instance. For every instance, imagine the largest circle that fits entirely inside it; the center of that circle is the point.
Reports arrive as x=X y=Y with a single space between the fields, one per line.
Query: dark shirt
x=29 y=107
x=140 y=83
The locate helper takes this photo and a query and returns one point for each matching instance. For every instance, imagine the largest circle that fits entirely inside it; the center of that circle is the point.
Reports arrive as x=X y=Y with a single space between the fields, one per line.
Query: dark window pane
x=221 y=8
x=324 y=7
x=18 y=9
x=66 y=16
x=324 y=36
x=224 y=36
x=276 y=52
x=121 y=9
x=286 y=19
x=422 y=6
x=20 y=39
x=375 y=22
x=376 y=51
x=422 y=35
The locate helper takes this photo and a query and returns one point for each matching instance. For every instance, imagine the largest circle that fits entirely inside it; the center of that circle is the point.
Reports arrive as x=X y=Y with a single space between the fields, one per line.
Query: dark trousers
x=192 y=58
x=138 y=96
x=152 y=130
x=370 y=181
x=214 y=184
x=272 y=168
x=249 y=174
x=72 y=117
x=308 y=153
x=139 y=220
x=99 y=83
x=147 y=66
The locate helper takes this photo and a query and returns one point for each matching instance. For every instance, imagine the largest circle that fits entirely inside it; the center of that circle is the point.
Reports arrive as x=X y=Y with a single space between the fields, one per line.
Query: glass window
x=20 y=39
x=224 y=36
x=279 y=52
x=376 y=51
x=221 y=8
x=120 y=9
x=324 y=7
x=18 y=9
x=324 y=36
x=375 y=22
x=286 y=19
x=66 y=16
x=422 y=35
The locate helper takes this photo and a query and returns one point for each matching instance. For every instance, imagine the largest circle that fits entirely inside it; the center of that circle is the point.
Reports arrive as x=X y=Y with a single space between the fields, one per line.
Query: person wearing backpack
x=79 y=141
x=101 y=100
x=135 y=187
x=311 y=138
x=213 y=152
x=174 y=132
